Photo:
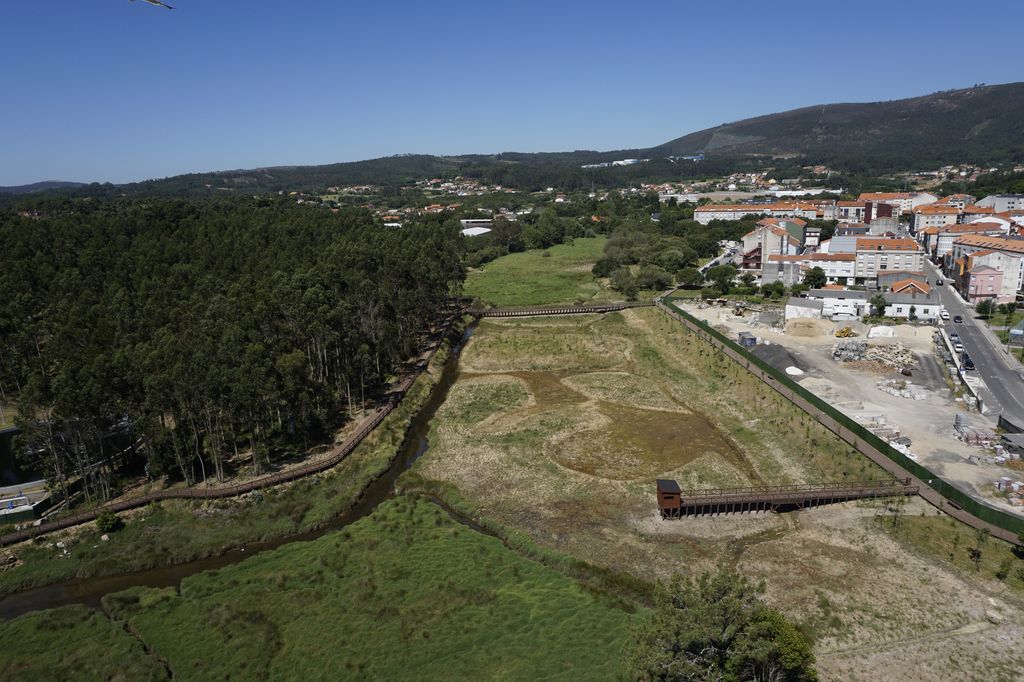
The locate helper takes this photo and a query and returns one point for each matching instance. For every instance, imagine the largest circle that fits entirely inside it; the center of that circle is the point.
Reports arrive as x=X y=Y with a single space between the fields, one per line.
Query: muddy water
x=90 y=591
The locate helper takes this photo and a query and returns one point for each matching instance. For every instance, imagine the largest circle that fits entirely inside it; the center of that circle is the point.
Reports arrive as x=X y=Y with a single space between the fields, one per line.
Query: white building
x=705 y=214
x=1002 y=203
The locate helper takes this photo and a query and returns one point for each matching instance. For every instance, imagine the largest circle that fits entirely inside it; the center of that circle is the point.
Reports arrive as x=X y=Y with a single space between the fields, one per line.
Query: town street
x=999 y=373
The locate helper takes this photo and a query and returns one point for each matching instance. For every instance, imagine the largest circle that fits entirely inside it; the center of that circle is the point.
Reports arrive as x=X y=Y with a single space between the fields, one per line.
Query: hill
x=38 y=187
x=981 y=125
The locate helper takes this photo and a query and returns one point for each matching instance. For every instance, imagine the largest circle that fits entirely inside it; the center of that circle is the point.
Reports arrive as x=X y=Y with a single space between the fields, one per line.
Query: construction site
x=895 y=380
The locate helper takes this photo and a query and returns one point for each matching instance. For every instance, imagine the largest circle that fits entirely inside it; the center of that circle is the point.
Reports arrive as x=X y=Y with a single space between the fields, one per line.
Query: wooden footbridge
x=676 y=503
x=558 y=310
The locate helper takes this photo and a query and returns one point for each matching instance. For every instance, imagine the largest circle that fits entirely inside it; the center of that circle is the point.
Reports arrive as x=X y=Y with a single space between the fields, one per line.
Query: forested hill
x=980 y=125
x=209 y=327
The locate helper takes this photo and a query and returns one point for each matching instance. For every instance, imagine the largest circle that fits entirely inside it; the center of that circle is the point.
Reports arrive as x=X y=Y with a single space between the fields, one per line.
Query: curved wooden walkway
x=393 y=397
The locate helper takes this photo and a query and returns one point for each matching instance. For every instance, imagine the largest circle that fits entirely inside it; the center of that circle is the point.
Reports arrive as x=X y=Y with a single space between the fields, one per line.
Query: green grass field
x=560 y=274
x=406 y=592
x=72 y=643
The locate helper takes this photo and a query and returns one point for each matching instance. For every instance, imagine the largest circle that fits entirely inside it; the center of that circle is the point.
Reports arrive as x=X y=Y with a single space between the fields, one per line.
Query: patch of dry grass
x=551 y=467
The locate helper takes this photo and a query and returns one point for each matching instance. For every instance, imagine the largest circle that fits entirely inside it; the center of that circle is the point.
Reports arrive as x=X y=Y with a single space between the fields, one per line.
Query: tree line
x=189 y=338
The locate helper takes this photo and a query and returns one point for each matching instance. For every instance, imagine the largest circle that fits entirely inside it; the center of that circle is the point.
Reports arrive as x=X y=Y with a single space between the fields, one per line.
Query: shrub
x=108 y=522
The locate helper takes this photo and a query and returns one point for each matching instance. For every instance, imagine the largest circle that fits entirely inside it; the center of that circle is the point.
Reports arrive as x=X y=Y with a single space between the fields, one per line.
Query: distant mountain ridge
x=39 y=187
x=982 y=125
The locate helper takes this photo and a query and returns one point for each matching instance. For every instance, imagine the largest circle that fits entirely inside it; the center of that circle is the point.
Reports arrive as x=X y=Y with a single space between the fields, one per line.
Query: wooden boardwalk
x=390 y=401
x=675 y=503
x=558 y=310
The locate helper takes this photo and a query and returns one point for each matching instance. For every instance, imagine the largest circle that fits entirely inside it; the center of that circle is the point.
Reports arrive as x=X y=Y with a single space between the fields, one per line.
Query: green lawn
x=72 y=643
x=560 y=274
x=406 y=592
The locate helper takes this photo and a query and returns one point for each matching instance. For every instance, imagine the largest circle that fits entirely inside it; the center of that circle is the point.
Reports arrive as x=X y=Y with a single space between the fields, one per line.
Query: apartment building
x=906 y=201
x=973 y=251
x=1002 y=203
x=770 y=237
x=705 y=214
x=876 y=254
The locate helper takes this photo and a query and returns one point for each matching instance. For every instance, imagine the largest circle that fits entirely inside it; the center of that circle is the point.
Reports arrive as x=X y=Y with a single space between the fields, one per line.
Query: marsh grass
x=559 y=274
x=404 y=591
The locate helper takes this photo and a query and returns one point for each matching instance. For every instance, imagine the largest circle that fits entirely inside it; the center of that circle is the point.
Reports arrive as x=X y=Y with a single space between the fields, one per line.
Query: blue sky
x=111 y=90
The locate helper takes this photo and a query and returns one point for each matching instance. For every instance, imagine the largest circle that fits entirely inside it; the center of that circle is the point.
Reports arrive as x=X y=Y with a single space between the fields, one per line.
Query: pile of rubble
x=896 y=356
x=903 y=389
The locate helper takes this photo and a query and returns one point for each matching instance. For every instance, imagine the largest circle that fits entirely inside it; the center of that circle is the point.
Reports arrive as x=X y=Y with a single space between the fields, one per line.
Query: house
x=933 y=215
x=910 y=286
x=887 y=279
x=957 y=201
x=910 y=302
x=862 y=211
x=982 y=282
x=790 y=269
x=768 y=238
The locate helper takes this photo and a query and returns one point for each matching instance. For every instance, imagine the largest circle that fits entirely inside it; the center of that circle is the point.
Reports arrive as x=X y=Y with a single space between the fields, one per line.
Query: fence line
x=394 y=397
x=932 y=488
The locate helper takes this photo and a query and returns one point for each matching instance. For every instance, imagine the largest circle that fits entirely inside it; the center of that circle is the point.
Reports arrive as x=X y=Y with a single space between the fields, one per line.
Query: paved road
x=998 y=372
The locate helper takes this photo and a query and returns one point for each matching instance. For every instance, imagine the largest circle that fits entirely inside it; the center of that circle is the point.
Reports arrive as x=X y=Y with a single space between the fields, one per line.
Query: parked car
x=958 y=319
x=958 y=348
x=968 y=362
x=944 y=314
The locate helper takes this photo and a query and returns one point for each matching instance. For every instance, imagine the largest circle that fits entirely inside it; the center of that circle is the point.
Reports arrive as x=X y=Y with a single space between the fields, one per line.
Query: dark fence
x=934 y=489
x=394 y=397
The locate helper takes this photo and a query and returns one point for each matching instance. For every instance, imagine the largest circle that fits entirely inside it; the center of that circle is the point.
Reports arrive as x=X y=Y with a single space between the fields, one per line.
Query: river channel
x=90 y=591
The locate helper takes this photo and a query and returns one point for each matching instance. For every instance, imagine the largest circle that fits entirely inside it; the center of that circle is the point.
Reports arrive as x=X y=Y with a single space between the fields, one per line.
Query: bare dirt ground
x=524 y=438
x=852 y=388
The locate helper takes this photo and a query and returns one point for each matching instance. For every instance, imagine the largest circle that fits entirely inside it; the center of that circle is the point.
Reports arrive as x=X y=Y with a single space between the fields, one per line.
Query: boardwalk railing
x=731 y=500
x=933 y=489
x=558 y=310
x=394 y=397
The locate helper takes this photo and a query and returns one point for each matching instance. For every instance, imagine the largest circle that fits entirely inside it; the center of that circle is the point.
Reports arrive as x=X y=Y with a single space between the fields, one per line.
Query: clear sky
x=112 y=90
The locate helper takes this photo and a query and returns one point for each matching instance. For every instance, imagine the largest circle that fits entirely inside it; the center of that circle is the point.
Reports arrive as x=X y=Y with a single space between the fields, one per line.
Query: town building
x=1001 y=203
x=705 y=214
x=973 y=251
x=768 y=238
x=906 y=201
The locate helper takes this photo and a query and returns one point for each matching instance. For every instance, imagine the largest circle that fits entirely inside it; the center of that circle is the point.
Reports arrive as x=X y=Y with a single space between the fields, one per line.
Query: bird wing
x=159 y=4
